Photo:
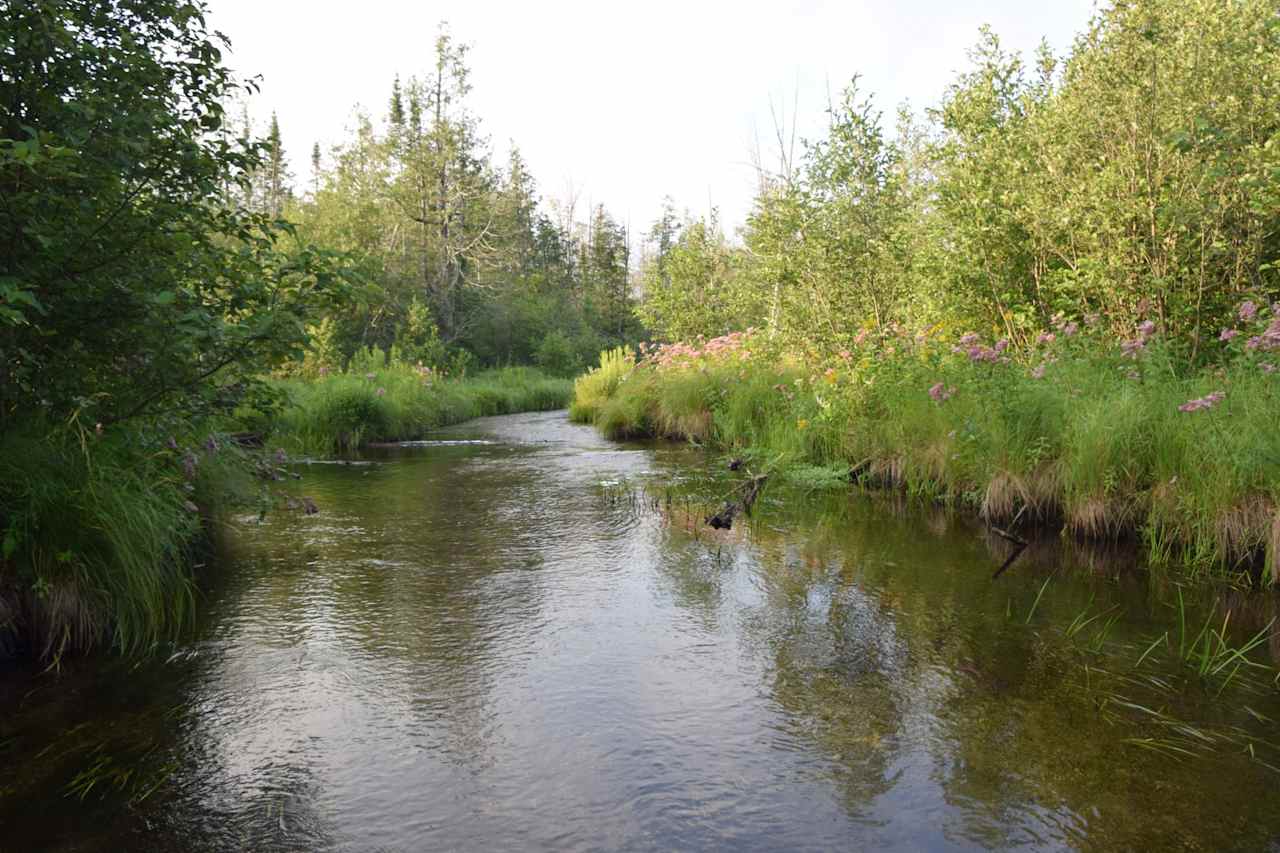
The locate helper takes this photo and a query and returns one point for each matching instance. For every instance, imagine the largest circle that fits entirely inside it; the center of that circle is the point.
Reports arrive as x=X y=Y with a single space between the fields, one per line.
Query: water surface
x=518 y=636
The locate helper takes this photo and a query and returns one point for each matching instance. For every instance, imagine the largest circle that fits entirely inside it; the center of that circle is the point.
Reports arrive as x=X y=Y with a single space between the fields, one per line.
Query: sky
x=622 y=104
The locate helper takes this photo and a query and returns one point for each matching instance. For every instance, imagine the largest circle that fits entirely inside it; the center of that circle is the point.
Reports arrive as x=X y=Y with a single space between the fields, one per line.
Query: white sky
x=624 y=103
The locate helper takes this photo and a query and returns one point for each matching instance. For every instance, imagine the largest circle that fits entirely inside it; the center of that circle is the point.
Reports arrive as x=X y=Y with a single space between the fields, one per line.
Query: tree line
x=1137 y=177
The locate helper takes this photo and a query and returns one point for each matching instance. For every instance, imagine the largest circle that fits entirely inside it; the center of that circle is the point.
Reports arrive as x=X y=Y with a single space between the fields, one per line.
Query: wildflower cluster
x=1266 y=338
x=1206 y=402
x=970 y=345
x=678 y=354
x=1131 y=348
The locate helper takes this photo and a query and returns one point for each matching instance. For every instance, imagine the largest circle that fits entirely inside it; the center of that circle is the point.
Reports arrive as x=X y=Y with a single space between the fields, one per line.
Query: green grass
x=398 y=402
x=100 y=535
x=1097 y=443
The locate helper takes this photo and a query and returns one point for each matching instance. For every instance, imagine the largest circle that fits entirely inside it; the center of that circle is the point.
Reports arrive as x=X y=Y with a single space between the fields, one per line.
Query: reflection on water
x=472 y=647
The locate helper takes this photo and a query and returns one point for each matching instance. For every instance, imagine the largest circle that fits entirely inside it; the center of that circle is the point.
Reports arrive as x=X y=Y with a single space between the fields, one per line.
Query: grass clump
x=598 y=385
x=381 y=397
x=100 y=534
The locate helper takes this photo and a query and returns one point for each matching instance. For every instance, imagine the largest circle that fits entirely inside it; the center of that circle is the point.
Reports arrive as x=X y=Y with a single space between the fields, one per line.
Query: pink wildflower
x=1046 y=338
x=861 y=336
x=845 y=355
x=381 y=392
x=1267 y=367
x=1002 y=345
x=1206 y=402
x=1247 y=311
x=1228 y=334
x=1130 y=349
x=940 y=393
x=968 y=339
x=1070 y=329
x=1038 y=372
x=1146 y=328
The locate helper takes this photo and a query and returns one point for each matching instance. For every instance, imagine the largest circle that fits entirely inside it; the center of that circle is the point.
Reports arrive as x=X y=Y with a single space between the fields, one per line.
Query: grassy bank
x=386 y=399
x=1109 y=438
x=102 y=533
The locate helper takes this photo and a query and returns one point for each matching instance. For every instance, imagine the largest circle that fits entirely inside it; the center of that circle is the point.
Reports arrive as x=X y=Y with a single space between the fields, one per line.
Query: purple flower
x=1046 y=338
x=1228 y=334
x=940 y=393
x=1002 y=345
x=1267 y=367
x=1146 y=328
x=1254 y=342
x=1247 y=311
x=968 y=339
x=1130 y=349
x=1206 y=402
x=1070 y=329
x=1038 y=372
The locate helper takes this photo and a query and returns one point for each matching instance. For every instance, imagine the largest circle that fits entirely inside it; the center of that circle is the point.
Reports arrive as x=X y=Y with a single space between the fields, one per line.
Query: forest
x=1053 y=297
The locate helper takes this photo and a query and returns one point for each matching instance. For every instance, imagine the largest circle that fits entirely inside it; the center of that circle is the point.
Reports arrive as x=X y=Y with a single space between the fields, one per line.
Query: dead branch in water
x=1015 y=539
x=750 y=489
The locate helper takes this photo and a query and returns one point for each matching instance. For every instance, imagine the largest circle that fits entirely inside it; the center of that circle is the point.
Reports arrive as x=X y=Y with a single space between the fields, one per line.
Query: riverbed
x=517 y=635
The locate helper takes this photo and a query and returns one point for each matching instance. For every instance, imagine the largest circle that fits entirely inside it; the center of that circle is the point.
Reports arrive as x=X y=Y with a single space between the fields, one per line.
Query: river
x=517 y=636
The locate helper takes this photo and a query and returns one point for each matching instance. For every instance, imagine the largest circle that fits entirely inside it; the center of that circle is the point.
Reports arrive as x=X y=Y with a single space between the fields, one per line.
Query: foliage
x=1135 y=176
x=141 y=297
x=129 y=288
x=456 y=253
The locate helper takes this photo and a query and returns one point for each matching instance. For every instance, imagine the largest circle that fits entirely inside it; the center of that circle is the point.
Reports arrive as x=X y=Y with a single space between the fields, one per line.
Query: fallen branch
x=723 y=520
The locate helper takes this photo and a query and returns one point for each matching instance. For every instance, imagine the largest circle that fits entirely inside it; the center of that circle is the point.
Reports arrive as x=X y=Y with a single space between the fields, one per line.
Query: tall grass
x=99 y=536
x=1107 y=440
x=385 y=399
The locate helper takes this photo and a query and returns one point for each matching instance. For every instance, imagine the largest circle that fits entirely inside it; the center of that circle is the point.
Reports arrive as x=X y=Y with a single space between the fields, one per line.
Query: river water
x=518 y=636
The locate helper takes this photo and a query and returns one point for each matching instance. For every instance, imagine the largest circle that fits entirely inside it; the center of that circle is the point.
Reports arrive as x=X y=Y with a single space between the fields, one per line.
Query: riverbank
x=386 y=399
x=1108 y=438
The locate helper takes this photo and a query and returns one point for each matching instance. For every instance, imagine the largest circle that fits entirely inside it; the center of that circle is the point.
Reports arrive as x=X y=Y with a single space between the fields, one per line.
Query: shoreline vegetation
x=382 y=398
x=1106 y=439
